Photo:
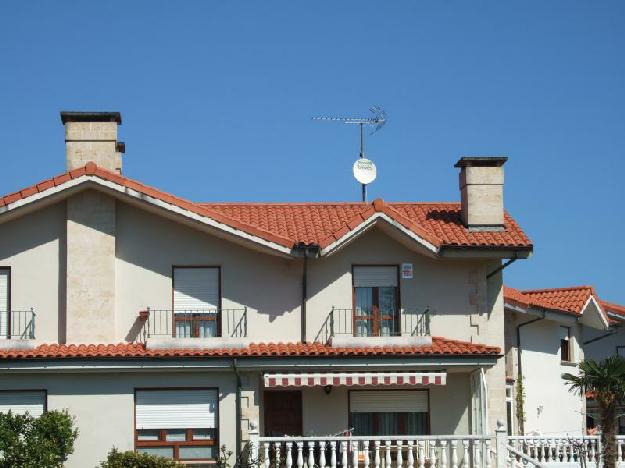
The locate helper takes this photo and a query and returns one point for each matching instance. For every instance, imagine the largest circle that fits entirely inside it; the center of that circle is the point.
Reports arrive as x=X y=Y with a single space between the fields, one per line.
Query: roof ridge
x=566 y=288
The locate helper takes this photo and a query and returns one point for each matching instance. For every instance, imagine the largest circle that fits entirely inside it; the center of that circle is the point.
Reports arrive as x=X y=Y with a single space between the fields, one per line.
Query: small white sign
x=406 y=270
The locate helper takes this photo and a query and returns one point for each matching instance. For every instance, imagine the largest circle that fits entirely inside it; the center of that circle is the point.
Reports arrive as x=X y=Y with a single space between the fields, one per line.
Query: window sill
x=568 y=363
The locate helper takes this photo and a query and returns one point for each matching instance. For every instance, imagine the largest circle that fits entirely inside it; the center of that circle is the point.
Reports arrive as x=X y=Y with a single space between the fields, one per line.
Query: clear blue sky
x=217 y=98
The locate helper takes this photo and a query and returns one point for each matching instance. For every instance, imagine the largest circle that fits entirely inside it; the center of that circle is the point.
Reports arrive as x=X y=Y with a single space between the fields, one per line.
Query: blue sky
x=217 y=99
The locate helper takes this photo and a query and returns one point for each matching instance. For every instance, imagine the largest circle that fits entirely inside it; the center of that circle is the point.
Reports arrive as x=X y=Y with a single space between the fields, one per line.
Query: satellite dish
x=364 y=171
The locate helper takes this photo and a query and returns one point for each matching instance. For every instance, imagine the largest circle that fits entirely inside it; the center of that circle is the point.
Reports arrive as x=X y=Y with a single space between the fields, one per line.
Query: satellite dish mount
x=364 y=169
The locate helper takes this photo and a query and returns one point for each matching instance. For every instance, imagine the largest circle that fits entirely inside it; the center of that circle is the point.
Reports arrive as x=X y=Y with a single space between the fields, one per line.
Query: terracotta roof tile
x=440 y=347
x=288 y=224
x=613 y=308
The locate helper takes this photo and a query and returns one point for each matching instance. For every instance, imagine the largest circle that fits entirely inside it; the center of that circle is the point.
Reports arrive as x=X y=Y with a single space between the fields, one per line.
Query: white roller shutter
x=196 y=289
x=22 y=402
x=375 y=276
x=176 y=409
x=4 y=302
x=400 y=401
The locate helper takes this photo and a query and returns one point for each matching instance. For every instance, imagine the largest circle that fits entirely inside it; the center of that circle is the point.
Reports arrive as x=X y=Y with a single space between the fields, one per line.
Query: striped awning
x=351 y=379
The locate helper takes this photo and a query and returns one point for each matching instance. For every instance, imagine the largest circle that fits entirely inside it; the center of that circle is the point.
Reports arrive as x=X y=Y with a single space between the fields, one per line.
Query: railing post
x=501 y=445
x=331 y=325
x=32 y=323
x=245 y=321
x=254 y=444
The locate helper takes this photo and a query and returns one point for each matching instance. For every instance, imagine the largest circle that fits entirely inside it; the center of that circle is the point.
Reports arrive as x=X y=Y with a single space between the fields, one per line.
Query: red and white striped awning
x=354 y=379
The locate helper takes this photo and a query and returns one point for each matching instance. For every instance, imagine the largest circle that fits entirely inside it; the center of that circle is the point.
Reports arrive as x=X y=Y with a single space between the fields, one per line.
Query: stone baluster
x=322 y=454
x=541 y=449
x=410 y=454
x=400 y=457
x=454 y=454
x=443 y=454
x=487 y=463
x=300 y=454
x=365 y=446
x=311 y=454
x=592 y=451
x=433 y=455
x=344 y=454
x=619 y=450
x=477 y=452
x=387 y=454
x=421 y=453
x=465 y=454
x=276 y=447
x=354 y=454
x=376 y=453
x=266 y=460
x=333 y=454
x=289 y=455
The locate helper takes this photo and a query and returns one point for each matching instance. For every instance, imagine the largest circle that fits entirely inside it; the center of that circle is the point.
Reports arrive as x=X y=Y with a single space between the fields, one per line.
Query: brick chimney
x=481 y=192
x=92 y=136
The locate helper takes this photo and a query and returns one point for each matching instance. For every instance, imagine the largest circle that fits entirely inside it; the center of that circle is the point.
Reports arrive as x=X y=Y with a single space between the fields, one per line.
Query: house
x=548 y=332
x=173 y=327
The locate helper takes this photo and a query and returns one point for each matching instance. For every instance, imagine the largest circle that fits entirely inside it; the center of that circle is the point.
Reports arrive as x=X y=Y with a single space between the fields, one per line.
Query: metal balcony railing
x=367 y=323
x=17 y=324
x=196 y=323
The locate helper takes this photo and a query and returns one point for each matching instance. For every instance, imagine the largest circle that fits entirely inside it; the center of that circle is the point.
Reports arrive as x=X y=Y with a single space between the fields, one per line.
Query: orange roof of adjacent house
x=569 y=300
x=288 y=224
x=439 y=347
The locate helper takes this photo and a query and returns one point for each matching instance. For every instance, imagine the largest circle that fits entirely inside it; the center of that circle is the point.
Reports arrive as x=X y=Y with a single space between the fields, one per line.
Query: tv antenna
x=364 y=169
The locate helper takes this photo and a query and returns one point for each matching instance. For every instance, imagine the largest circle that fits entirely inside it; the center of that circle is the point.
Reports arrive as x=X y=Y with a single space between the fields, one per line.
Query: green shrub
x=130 y=459
x=43 y=442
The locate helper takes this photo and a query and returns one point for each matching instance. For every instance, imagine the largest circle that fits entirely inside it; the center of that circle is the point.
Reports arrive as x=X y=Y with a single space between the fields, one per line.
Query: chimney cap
x=72 y=116
x=481 y=161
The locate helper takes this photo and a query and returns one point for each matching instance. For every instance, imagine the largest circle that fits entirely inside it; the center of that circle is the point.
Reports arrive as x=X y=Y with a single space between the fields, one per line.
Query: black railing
x=195 y=323
x=17 y=324
x=359 y=322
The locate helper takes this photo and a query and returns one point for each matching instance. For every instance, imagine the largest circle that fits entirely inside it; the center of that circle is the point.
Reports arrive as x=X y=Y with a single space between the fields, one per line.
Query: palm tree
x=606 y=381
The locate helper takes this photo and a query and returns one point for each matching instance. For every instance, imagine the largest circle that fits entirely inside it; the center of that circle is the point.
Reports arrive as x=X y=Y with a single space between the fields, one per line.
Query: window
x=197 y=301
x=391 y=412
x=509 y=407
x=565 y=344
x=4 y=301
x=179 y=424
x=23 y=401
x=376 y=301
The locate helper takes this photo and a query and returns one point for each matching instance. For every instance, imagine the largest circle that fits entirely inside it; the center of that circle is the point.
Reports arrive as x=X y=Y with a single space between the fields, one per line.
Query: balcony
x=359 y=327
x=17 y=329
x=209 y=328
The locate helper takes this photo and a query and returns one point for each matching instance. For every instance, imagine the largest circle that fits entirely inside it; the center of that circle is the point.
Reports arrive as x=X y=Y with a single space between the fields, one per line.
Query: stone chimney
x=92 y=136
x=481 y=192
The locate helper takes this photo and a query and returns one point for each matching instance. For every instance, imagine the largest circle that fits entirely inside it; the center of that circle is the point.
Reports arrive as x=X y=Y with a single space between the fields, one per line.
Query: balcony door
x=196 y=302
x=376 y=301
x=4 y=303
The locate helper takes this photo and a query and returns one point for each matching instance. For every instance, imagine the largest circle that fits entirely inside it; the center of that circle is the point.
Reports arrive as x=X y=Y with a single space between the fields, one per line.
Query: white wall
x=549 y=407
x=103 y=405
x=605 y=347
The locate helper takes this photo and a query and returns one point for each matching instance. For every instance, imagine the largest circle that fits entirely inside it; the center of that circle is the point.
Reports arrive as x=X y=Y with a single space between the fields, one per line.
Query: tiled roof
x=287 y=224
x=613 y=308
x=439 y=347
x=523 y=300
x=323 y=223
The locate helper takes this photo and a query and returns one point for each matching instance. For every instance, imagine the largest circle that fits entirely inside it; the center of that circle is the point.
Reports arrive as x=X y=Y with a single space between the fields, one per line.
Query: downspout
x=503 y=265
x=237 y=412
x=519 y=360
x=610 y=333
x=306 y=251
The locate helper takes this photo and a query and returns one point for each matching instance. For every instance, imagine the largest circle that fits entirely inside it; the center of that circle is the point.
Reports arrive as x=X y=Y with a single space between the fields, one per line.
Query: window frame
x=30 y=390
x=427 y=390
x=8 y=324
x=376 y=315
x=569 y=354
x=199 y=317
x=175 y=445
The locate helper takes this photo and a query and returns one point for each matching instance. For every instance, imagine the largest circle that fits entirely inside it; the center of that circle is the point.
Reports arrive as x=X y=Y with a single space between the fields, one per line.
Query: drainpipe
x=237 y=412
x=503 y=266
x=518 y=350
x=610 y=333
x=306 y=251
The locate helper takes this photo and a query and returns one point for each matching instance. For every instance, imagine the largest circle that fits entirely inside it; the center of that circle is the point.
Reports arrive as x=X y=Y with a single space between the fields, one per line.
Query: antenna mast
x=377 y=121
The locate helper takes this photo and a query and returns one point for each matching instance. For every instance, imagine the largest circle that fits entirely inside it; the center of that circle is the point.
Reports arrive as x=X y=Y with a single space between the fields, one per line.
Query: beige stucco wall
x=605 y=347
x=149 y=245
x=33 y=247
x=103 y=405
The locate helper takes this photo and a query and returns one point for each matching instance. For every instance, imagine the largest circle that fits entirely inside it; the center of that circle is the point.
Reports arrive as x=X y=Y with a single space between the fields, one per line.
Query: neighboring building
x=557 y=329
x=172 y=327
